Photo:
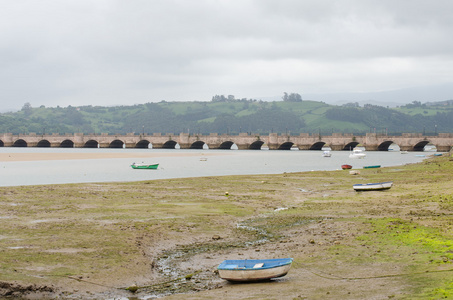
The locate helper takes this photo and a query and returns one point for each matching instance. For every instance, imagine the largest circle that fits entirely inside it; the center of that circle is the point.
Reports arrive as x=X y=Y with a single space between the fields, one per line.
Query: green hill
x=231 y=116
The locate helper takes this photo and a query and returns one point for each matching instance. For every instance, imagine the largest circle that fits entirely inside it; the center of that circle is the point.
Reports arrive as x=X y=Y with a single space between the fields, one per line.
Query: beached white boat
x=357 y=153
x=254 y=269
x=326 y=154
x=373 y=186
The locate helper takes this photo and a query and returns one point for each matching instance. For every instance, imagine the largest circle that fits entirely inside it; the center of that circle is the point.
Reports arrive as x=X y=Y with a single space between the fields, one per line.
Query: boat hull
x=373 y=186
x=254 y=270
x=372 y=167
x=346 y=167
x=326 y=154
x=361 y=155
x=145 y=166
x=357 y=153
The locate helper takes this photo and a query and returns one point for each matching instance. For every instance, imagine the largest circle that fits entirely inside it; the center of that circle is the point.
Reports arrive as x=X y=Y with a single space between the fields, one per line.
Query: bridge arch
x=197 y=145
x=67 y=144
x=286 y=146
x=169 y=145
x=384 y=146
x=91 y=144
x=256 y=145
x=317 y=146
x=226 y=145
x=2 y=144
x=143 y=144
x=350 y=146
x=420 y=146
x=20 y=143
x=116 y=144
x=43 y=143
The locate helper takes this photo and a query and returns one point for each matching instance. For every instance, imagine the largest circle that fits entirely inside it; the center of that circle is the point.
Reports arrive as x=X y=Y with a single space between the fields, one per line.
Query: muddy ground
x=316 y=218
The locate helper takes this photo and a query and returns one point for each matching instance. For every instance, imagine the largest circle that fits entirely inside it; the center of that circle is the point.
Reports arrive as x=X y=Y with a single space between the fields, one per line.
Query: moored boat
x=373 y=186
x=254 y=269
x=372 y=167
x=144 y=166
x=357 y=153
x=346 y=167
x=326 y=154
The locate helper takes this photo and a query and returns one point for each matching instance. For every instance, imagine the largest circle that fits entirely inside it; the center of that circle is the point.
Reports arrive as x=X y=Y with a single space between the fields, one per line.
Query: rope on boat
x=132 y=288
x=76 y=278
x=90 y=282
x=335 y=277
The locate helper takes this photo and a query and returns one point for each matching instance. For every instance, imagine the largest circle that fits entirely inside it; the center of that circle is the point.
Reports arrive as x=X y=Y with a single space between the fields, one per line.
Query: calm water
x=219 y=162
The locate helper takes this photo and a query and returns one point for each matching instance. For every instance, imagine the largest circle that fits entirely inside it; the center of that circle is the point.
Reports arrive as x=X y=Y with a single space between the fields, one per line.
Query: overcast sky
x=112 y=52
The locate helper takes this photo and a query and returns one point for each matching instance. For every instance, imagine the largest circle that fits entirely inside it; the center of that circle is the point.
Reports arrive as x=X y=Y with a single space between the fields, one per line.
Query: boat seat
x=260 y=265
x=231 y=266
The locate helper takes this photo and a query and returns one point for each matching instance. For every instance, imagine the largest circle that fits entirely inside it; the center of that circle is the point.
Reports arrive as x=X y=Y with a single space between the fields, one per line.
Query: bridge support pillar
x=304 y=147
x=371 y=147
x=129 y=145
x=157 y=145
x=7 y=140
x=272 y=146
x=273 y=141
x=104 y=145
x=337 y=147
x=213 y=146
x=443 y=148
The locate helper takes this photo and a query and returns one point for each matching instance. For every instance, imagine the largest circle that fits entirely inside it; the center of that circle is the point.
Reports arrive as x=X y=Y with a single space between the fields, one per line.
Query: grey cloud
x=114 y=52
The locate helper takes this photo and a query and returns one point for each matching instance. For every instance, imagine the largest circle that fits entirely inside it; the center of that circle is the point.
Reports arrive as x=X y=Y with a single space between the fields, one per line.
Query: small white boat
x=326 y=153
x=254 y=269
x=404 y=152
x=373 y=186
x=357 y=153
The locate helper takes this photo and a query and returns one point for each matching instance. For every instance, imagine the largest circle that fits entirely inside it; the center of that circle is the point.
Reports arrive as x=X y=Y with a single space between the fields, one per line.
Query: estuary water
x=180 y=163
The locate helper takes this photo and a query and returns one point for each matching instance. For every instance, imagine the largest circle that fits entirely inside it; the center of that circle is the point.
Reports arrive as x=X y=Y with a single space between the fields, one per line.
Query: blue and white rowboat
x=373 y=186
x=254 y=269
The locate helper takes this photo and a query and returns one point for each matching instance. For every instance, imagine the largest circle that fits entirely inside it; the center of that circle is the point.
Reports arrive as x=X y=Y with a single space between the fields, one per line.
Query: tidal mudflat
x=165 y=238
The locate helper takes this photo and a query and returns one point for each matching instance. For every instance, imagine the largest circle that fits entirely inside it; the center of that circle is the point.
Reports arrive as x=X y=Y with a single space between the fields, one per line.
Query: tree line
x=232 y=117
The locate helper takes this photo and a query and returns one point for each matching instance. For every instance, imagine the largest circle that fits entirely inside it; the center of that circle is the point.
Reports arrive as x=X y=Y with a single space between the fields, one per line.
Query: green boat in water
x=372 y=167
x=143 y=166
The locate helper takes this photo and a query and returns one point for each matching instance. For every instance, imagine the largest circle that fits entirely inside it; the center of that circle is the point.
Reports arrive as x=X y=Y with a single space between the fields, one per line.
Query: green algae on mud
x=123 y=234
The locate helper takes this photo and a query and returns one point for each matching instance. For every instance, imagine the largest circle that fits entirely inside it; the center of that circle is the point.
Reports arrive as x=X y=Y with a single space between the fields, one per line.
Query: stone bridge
x=243 y=141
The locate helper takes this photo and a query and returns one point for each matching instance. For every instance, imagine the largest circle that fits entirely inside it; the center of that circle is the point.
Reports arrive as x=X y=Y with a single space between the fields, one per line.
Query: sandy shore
x=71 y=156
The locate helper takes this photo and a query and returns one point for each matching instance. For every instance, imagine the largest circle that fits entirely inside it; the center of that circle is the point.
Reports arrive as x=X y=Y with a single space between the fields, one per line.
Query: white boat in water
x=357 y=153
x=373 y=186
x=326 y=154
x=254 y=269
